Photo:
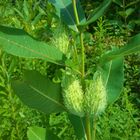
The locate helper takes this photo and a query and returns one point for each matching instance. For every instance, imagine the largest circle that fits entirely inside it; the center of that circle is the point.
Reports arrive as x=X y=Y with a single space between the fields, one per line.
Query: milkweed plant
x=82 y=97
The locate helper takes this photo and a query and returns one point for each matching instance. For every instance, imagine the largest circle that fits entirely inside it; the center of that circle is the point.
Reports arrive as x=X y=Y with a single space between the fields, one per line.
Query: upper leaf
x=97 y=12
x=19 y=43
x=40 y=93
x=132 y=46
x=64 y=10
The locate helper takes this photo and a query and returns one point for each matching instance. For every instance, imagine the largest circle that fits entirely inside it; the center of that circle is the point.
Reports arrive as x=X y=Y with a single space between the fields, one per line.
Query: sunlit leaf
x=39 y=133
x=19 y=43
x=36 y=133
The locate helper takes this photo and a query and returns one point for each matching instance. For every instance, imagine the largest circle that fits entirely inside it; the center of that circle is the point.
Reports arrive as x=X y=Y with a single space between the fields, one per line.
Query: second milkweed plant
x=83 y=96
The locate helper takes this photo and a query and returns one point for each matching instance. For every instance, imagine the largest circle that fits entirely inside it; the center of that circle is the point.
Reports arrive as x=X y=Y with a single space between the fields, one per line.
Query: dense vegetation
x=121 y=120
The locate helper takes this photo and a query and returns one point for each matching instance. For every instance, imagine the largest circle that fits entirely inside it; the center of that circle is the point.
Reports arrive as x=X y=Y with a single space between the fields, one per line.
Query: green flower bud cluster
x=61 y=40
x=95 y=97
x=92 y=102
x=73 y=96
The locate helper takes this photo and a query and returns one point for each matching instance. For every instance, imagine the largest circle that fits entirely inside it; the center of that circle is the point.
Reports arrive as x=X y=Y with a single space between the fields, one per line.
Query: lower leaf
x=39 y=133
x=79 y=126
x=40 y=93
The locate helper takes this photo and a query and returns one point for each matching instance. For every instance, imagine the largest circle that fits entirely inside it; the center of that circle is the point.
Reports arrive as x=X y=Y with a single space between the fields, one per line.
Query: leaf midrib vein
x=68 y=13
x=35 y=135
x=126 y=52
x=42 y=94
x=24 y=47
x=108 y=73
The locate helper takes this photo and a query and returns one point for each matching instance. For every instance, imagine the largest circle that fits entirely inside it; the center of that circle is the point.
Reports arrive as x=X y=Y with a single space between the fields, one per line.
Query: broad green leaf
x=136 y=22
x=40 y=93
x=64 y=10
x=79 y=126
x=36 y=133
x=19 y=43
x=126 y=13
x=133 y=46
x=119 y=2
x=129 y=11
x=98 y=12
x=39 y=133
x=113 y=77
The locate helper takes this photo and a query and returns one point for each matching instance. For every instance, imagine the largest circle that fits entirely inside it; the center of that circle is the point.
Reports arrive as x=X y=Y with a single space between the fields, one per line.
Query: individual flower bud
x=73 y=96
x=95 y=97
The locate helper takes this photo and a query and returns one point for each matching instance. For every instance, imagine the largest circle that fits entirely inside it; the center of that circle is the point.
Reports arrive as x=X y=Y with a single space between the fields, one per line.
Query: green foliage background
x=121 y=121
